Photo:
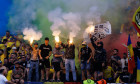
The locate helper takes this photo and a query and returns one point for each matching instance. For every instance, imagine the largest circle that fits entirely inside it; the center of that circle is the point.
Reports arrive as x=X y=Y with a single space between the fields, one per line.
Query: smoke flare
x=30 y=34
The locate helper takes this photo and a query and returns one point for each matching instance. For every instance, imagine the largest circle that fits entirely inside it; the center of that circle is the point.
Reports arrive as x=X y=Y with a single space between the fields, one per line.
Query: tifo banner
x=136 y=20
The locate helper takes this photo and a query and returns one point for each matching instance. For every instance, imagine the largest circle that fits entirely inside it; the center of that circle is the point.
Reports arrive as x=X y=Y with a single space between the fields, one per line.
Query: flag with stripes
x=131 y=61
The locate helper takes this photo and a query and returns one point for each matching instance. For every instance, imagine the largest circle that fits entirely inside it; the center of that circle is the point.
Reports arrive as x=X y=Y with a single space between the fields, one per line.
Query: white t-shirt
x=3 y=79
x=123 y=62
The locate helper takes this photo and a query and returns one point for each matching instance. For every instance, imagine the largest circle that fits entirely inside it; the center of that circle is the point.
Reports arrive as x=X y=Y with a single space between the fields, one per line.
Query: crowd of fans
x=21 y=61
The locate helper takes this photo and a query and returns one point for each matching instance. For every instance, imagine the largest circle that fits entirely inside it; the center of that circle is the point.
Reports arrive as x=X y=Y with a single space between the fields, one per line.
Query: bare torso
x=35 y=54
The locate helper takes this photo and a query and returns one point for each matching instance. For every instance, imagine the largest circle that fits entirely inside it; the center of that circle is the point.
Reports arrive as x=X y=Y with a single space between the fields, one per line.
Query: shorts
x=97 y=66
x=44 y=62
x=85 y=65
x=56 y=66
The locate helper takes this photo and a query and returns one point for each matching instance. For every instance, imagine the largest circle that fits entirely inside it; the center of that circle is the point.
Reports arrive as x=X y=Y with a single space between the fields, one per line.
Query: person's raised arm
x=92 y=41
x=63 y=45
x=31 y=46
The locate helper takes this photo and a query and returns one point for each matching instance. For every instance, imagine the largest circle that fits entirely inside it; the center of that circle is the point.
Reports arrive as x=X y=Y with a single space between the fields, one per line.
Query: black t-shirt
x=100 y=55
x=136 y=54
x=117 y=58
x=85 y=53
x=45 y=50
x=125 y=77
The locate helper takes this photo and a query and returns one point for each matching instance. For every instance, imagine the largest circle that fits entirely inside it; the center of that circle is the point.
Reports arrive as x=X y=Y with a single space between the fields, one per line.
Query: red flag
x=131 y=61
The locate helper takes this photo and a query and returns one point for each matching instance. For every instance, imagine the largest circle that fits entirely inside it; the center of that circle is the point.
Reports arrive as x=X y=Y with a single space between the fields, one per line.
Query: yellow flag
x=136 y=20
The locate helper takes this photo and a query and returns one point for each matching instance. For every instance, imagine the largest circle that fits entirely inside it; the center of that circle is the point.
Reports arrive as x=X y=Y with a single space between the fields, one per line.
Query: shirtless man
x=17 y=74
x=34 y=62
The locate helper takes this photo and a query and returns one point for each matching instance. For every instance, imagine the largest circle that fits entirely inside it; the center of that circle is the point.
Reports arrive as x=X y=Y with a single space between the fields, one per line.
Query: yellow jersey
x=108 y=72
x=2 y=58
x=6 y=38
x=2 y=46
x=17 y=43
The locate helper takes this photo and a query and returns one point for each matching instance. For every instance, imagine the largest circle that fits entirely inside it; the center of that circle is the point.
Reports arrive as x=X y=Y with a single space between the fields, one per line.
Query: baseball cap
x=14 y=48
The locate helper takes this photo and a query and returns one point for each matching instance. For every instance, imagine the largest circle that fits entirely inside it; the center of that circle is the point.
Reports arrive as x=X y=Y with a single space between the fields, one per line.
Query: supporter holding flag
x=99 y=58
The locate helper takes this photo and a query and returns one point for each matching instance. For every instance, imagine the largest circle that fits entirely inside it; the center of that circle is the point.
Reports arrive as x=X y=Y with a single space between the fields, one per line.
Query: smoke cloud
x=31 y=34
x=55 y=17
x=73 y=20
x=60 y=19
x=73 y=16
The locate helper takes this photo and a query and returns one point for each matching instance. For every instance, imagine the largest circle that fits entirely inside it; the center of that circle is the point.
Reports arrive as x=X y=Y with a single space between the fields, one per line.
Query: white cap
x=14 y=48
